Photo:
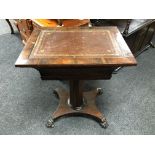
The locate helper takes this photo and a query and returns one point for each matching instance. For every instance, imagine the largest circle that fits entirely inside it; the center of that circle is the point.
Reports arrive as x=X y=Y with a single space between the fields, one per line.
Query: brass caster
x=50 y=123
x=56 y=94
x=99 y=91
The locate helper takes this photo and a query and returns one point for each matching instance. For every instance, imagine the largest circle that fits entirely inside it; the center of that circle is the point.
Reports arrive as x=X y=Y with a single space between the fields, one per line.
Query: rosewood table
x=76 y=54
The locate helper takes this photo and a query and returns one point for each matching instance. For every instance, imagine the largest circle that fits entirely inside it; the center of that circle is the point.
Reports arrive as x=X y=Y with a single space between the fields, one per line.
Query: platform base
x=88 y=108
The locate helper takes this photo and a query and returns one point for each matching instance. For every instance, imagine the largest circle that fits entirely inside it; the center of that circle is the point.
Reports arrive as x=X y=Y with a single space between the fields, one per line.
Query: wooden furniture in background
x=41 y=23
x=138 y=33
x=74 y=22
x=26 y=26
x=76 y=54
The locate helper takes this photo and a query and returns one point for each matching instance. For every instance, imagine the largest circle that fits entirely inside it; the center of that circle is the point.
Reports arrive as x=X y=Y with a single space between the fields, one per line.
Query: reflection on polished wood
x=60 y=22
x=76 y=54
x=75 y=22
x=45 y=22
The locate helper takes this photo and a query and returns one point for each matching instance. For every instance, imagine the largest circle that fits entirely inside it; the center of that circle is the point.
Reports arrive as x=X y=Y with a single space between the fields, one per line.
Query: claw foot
x=104 y=123
x=99 y=91
x=56 y=94
x=50 y=123
x=152 y=45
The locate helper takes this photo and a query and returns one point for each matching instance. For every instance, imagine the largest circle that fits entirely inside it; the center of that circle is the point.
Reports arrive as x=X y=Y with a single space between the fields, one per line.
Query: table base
x=87 y=109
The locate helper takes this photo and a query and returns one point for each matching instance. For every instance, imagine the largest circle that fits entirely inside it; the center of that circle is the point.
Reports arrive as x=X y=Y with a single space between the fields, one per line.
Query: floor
x=26 y=101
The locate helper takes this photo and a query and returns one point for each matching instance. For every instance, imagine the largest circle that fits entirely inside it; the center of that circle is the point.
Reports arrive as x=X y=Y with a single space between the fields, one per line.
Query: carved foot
x=55 y=92
x=50 y=123
x=99 y=91
x=104 y=123
x=152 y=45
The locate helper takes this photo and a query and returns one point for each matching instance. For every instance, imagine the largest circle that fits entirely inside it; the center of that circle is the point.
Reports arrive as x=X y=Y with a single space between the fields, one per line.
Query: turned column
x=76 y=94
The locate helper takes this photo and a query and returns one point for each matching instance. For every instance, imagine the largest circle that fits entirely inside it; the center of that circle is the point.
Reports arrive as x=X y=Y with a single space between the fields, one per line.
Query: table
x=76 y=54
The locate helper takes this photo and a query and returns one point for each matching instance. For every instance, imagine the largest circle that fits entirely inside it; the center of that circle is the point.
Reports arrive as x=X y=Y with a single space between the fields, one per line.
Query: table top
x=102 y=46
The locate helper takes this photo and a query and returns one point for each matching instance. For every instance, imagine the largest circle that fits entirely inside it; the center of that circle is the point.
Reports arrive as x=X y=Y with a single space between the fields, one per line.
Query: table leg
x=77 y=103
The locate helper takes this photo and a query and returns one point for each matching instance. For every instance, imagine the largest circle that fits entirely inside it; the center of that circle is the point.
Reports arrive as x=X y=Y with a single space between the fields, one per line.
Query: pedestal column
x=76 y=94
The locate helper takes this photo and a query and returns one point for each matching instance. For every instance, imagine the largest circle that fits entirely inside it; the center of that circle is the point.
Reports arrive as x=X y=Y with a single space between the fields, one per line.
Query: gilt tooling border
x=40 y=51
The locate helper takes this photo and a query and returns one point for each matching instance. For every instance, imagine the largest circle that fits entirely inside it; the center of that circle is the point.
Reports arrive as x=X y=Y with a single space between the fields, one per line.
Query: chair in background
x=10 y=25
